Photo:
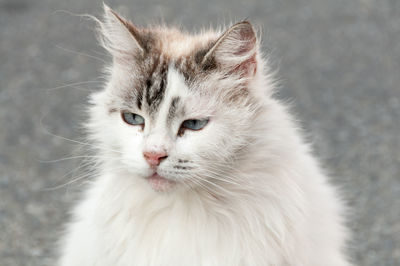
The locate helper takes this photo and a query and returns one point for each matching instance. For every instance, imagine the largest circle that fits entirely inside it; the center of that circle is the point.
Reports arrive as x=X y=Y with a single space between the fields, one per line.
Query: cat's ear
x=119 y=36
x=235 y=50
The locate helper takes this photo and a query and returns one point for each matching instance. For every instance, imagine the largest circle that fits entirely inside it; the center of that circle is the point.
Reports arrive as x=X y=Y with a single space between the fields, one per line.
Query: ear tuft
x=235 y=50
x=119 y=36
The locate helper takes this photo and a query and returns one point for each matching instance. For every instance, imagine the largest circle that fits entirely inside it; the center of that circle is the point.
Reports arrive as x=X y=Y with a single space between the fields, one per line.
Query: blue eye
x=132 y=119
x=194 y=124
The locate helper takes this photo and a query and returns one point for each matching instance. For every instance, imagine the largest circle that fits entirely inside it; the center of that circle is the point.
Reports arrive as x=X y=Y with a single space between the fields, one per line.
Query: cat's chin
x=160 y=184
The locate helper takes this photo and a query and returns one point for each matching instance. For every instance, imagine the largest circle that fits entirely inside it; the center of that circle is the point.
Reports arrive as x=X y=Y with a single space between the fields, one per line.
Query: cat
x=199 y=164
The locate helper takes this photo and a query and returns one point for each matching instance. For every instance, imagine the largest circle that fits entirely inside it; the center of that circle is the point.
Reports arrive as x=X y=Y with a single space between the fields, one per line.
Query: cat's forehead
x=172 y=72
x=166 y=90
x=177 y=44
x=169 y=46
x=169 y=70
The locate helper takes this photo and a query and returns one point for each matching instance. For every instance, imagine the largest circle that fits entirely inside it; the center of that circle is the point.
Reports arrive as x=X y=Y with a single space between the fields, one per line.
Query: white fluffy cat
x=199 y=163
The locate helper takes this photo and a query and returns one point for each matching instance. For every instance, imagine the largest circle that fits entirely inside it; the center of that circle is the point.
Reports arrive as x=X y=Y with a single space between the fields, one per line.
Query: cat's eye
x=133 y=119
x=193 y=124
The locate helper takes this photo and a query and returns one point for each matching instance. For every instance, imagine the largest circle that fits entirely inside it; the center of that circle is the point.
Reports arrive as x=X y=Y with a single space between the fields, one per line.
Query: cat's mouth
x=160 y=183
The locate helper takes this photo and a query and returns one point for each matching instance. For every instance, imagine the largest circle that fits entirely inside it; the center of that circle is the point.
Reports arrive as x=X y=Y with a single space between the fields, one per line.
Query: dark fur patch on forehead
x=139 y=99
x=210 y=63
x=192 y=66
x=153 y=72
x=152 y=82
x=157 y=84
x=172 y=109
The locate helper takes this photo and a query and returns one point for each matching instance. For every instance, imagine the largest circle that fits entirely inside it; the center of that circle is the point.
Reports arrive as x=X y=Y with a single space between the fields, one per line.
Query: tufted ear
x=119 y=36
x=235 y=50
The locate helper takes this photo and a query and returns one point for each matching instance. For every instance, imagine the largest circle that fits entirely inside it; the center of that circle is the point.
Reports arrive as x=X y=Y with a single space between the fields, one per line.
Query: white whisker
x=82 y=54
x=73 y=85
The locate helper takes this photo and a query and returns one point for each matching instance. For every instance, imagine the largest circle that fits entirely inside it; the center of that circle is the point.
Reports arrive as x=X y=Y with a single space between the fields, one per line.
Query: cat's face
x=177 y=109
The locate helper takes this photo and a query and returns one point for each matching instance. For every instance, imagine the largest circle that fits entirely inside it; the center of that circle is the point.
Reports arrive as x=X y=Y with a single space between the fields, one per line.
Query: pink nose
x=154 y=158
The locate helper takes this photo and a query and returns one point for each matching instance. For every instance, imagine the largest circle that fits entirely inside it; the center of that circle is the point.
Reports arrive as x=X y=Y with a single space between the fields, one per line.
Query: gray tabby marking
x=172 y=109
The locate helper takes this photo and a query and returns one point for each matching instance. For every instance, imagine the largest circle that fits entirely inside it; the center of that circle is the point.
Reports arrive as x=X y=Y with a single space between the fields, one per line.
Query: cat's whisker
x=99 y=53
x=73 y=180
x=81 y=54
x=219 y=176
x=73 y=85
x=82 y=165
x=188 y=185
x=208 y=189
x=87 y=144
x=242 y=185
x=220 y=188
x=226 y=179
x=219 y=172
x=89 y=173
x=75 y=157
x=88 y=162
x=226 y=165
x=67 y=183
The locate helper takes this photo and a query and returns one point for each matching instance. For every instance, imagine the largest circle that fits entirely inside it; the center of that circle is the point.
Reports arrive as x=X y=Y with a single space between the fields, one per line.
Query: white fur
x=254 y=197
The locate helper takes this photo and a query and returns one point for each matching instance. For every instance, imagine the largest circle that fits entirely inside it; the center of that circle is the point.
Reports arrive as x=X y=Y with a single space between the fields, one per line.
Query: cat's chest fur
x=124 y=226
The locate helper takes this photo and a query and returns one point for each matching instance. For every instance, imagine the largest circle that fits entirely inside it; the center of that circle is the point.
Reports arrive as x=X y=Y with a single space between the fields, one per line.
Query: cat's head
x=178 y=108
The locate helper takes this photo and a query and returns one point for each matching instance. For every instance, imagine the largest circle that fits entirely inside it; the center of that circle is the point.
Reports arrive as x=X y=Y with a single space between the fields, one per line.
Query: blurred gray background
x=339 y=62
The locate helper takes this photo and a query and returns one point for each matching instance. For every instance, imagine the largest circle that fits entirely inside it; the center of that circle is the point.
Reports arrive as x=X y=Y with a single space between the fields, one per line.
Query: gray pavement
x=339 y=63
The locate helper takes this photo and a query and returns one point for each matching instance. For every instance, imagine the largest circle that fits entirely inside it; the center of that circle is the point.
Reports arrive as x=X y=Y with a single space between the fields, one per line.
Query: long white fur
x=272 y=205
